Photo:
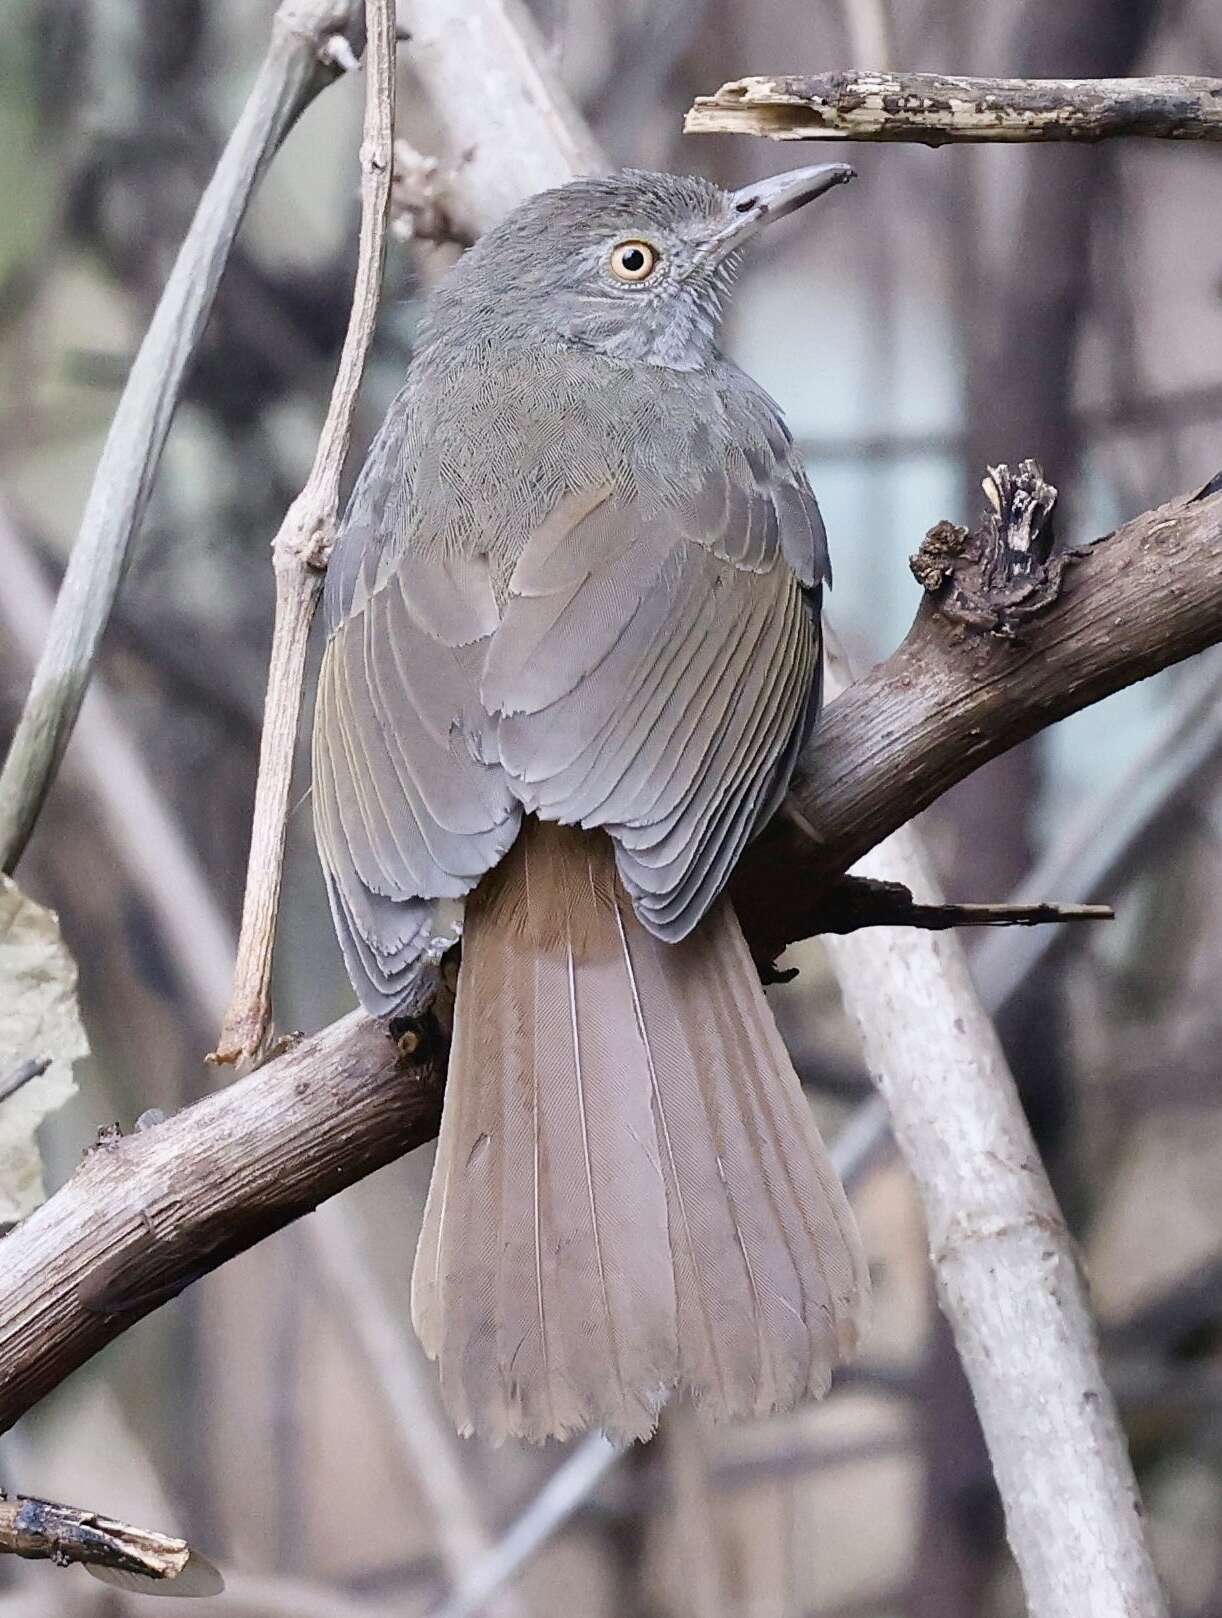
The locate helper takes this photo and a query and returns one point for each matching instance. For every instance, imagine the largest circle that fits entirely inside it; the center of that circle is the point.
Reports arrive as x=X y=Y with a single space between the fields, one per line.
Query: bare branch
x=295 y=68
x=32 y=1068
x=145 y=1215
x=855 y=902
x=506 y=126
x=935 y=110
x=953 y=696
x=299 y=554
x=1005 y=1265
x=41 y=1530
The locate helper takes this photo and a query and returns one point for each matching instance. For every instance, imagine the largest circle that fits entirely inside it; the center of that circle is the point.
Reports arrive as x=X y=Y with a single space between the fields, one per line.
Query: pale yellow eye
x=633 y=261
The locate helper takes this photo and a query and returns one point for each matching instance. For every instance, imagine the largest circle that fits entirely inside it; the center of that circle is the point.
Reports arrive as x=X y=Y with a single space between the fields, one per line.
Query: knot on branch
x=419 y=209
x=1003 y=573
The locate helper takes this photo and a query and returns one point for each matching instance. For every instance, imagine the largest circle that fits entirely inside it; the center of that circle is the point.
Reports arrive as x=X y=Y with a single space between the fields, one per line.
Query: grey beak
x=757 y=205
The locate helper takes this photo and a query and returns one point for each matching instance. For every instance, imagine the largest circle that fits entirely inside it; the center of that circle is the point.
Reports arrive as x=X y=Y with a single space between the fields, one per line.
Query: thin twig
x=299 y=555
x=568 y=1488
x=935 y=109
x=427 y=1442
x=32 y=1068
x=296 y=66
x=854 y=902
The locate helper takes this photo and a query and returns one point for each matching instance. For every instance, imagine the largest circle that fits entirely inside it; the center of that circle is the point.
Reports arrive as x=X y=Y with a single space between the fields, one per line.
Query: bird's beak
x=754 y=206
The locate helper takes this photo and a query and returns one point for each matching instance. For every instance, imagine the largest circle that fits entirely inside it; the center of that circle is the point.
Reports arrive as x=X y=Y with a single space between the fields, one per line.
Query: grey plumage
x=579 y=583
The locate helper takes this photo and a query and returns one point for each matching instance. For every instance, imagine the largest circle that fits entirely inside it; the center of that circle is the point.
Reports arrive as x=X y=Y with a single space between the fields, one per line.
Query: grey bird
x=572 y=654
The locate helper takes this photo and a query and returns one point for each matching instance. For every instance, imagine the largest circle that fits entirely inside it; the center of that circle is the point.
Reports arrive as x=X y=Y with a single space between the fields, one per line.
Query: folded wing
x=652 y=674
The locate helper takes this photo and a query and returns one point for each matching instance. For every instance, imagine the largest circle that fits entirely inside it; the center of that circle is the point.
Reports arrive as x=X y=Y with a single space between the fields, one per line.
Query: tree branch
x=1001 y=1254
x=953 y=696
x=41 y=1530
x=855 y=902
x=936 y=110
x=505 y=124
x=145 y=1216
x=300 y=60
x=299 y=555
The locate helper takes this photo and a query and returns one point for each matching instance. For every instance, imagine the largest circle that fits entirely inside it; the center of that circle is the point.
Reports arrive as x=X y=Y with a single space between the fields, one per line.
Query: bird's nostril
x=746 y=205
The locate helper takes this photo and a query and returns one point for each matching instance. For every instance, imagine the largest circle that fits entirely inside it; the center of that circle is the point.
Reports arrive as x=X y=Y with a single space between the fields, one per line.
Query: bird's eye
x=633 y=261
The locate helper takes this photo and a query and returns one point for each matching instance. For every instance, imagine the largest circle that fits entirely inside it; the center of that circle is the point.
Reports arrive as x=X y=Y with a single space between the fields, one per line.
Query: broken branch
x=41 y=1530
x=936 y=110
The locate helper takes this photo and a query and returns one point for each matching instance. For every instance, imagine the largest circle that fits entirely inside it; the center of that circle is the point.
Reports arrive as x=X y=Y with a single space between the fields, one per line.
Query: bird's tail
x=630 y=1194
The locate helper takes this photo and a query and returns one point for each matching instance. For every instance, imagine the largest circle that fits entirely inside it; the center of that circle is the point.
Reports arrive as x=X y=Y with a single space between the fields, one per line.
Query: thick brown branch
x=953 y=697
x=936 y=110
x=146 y=1215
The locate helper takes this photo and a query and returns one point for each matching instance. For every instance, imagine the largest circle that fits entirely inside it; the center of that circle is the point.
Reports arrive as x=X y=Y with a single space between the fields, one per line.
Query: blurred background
x=954 y=308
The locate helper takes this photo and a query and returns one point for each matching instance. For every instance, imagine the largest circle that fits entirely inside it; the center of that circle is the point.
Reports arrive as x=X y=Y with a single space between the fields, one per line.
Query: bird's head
x=632 y=265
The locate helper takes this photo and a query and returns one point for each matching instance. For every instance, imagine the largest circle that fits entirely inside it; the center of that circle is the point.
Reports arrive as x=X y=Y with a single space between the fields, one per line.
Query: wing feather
x=652 y=670
x=408 y=814
x=641 y=663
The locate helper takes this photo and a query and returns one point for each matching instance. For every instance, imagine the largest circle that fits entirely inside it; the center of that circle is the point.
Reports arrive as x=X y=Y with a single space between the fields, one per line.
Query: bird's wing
x=405 y=811
x=653 y=669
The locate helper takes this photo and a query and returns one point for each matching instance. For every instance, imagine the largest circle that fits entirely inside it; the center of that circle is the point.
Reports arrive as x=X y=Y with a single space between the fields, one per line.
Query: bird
x=572 y=653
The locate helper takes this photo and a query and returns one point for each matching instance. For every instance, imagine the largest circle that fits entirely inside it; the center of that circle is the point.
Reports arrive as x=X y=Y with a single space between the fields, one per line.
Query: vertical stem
x=1003 y=1260
x=299 y=551
x=248 y=1017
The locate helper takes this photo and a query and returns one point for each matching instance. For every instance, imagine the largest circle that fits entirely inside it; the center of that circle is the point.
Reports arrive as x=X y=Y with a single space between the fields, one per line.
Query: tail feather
x=629 y=1193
